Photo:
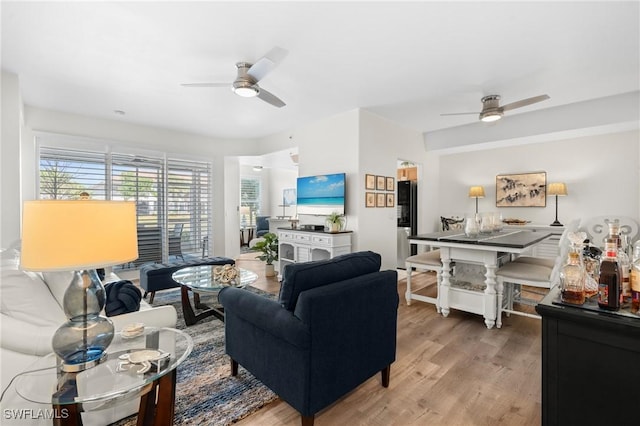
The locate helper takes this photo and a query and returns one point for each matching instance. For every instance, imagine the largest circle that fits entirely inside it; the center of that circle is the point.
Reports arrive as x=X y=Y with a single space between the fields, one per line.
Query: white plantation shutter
x=172 y=195
x=250 y=197
x=65 y=173
x=188 y=203
x=141 y=179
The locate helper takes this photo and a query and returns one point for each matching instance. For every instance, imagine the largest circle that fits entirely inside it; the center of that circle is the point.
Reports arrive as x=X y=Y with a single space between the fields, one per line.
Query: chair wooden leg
x=307 y=420
x=386 y=373
x=234 y=367
x=151 y=296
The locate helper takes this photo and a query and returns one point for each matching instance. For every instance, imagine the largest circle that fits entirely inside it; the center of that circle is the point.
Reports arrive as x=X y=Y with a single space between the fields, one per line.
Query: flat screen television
x=321 y=194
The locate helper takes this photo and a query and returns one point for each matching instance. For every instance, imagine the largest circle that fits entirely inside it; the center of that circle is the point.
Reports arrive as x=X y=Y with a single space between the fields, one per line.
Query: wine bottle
x=609 y=283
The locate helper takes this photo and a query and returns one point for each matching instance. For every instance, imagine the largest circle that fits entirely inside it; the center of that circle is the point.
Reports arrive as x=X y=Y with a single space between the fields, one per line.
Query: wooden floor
x=448 y=371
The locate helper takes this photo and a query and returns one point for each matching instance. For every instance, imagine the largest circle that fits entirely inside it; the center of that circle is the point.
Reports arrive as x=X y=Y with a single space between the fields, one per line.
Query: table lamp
x=244 y=212
x=476 y=192
x=556 y=189
x=79 y=236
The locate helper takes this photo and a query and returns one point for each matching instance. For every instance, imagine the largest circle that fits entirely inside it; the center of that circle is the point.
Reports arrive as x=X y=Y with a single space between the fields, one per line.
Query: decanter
x=572 y=279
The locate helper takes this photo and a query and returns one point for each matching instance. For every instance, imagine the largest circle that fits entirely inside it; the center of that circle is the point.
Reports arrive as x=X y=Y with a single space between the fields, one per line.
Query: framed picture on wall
x=521 y=190
x=369 y=182
x=380 y=199
x=391 y=200
x=369 y=199
x=380 y=183
x=391 y=184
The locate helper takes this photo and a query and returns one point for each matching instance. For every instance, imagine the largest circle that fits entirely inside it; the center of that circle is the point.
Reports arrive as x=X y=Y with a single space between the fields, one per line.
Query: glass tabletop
x=113 y=379
x=207 y=278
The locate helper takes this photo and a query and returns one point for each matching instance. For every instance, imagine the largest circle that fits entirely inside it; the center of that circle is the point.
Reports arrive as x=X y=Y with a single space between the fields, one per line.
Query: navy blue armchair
x=332 y=328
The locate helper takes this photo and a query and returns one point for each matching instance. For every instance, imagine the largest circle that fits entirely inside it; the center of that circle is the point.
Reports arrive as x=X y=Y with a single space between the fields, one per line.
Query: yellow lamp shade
x=476 y=191
x=62 y=235
x=557 y=188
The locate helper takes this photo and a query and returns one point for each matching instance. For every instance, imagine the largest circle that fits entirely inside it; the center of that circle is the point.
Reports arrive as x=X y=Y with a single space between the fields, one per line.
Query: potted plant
x=335 y=222
x=268 y=245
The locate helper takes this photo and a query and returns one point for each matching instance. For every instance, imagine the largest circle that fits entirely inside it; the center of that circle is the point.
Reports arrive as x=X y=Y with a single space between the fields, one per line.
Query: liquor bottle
x=610 y=277
x=614 y=232
x=635 y=280
x=572 y=280
x=625 y=285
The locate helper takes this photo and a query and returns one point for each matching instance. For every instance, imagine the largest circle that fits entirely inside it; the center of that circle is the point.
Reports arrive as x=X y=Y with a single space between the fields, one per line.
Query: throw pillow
x=122 y=297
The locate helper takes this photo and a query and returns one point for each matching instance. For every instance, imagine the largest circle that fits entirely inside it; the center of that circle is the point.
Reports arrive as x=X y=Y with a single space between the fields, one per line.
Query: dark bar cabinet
x=590 y=364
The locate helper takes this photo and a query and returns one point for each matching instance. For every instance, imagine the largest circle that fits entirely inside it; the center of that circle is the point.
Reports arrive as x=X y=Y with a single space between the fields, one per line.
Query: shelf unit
x=296 y=246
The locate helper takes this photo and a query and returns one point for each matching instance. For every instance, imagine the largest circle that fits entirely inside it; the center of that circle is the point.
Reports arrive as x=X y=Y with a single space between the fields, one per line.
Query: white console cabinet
x=295 y=245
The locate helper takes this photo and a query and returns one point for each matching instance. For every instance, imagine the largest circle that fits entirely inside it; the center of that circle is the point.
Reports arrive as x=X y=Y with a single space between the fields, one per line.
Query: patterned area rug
x=206 y=393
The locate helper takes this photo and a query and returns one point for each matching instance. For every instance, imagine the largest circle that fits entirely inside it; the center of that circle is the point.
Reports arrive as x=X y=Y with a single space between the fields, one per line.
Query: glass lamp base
x=82 y=341
x=82 y=360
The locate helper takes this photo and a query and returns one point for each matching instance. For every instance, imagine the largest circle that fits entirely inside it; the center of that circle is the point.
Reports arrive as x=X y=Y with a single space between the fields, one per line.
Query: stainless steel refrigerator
x=407 y=207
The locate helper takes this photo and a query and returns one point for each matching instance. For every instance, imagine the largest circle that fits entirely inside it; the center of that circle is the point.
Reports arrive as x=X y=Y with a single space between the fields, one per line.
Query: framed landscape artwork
x=521 y=190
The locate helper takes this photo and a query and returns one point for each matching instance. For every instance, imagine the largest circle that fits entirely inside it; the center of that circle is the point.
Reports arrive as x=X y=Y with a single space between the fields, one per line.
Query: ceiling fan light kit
x=246 y=82
x=490 y=116
x=492 y=111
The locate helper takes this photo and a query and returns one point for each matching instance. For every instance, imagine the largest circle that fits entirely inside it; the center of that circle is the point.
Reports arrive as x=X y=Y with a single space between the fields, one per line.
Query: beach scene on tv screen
x=321 y=195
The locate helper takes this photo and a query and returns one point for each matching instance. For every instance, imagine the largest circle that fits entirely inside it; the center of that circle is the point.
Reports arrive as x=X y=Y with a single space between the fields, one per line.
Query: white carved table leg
x=445 y=283
x=407 y=294
x=500 y=290
x=490 y=292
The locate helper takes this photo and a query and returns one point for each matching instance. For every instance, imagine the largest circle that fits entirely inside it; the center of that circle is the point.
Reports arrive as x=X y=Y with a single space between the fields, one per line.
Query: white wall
x=331 y=146
x=280 y=179
x=135 y=137
x=601 y=173
x=10 y=160
x=382 y=143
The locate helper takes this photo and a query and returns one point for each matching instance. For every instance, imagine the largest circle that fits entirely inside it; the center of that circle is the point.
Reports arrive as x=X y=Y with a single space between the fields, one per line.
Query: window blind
x=172 y=195
x=188 y=205
x=141 y=179
x=250 y=197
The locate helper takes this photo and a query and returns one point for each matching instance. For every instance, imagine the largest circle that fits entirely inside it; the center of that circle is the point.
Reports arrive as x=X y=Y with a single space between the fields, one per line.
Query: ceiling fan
x=248 y=76
x=492 y=111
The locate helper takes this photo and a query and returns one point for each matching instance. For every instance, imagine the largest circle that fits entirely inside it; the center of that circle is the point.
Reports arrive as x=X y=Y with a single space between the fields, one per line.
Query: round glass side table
x=141 y=366
x=202 y=279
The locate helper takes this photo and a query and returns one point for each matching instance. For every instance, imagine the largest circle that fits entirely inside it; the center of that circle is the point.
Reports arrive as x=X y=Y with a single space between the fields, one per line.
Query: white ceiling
x=408 y=62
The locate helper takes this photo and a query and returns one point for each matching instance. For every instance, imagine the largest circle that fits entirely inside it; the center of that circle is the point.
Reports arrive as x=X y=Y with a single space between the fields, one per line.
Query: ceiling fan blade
x=524 y=102
x=268 y=62
x=270 y=98
x=460 y=113
x=206 y=85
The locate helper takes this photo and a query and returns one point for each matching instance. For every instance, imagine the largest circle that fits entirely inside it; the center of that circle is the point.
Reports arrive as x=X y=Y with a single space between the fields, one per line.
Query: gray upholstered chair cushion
x=427 y=258
x=524 y=271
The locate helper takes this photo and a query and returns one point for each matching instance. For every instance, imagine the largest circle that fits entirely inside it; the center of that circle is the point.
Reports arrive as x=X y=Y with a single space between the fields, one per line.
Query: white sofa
x=30 y=313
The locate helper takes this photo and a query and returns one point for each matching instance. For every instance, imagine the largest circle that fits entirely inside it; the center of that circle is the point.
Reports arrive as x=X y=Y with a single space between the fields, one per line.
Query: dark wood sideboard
x=590 y=365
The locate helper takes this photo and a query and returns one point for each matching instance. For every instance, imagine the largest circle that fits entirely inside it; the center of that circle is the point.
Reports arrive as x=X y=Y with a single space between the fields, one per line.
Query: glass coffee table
x=115 y=380
x=203 y=280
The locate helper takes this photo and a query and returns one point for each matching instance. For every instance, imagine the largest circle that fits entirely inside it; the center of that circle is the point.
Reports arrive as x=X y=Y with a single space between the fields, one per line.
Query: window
x=171 y=195
x=249 y=200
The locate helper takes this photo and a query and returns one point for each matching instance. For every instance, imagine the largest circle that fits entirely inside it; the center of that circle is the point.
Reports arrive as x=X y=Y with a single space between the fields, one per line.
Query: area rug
x=206 y=393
